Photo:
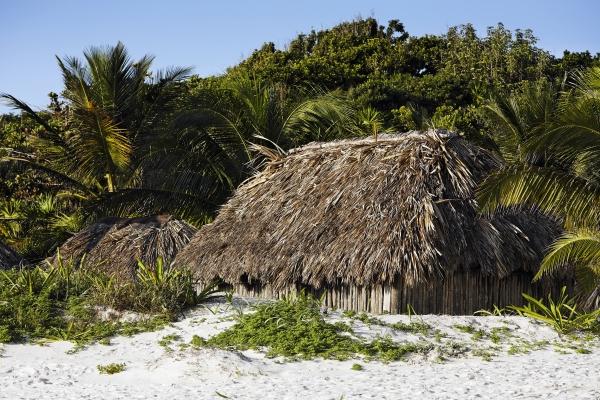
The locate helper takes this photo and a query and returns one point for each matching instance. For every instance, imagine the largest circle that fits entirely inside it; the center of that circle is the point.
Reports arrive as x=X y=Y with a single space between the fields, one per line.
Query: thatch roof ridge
x=115 y=244
x=8 y=256
x=382 y=139
x=363 y=211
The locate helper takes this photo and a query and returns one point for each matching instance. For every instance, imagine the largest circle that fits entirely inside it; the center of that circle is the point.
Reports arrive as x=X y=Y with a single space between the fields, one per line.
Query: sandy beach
x=540 y=365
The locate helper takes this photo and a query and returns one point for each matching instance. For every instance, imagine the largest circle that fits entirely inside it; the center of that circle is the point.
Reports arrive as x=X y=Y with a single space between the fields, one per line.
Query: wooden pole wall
x=462 y=293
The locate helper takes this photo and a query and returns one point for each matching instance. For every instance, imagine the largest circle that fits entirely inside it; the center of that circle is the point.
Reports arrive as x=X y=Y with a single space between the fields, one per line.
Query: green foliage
x=561 y=313
x=371 y=121
x=110 y=369
x=549 y=140
x=357 y=367
x=341 y=56
x=385 y=68
x=464 y=328
x=496 y=335
x=168 y=340
x=405 y=119
x=526 y=346
x=167 y=290
x=290 y=328
x=36 y=226
x=295 y=328
x=246 y=109
x=111 y=152
x=61 y=303
x=417 y=327
x=486 y=355
x=580 y=247
x=198 y=341
x=353 y=52
x=582 y=350
x=495 y=312
x=388 y=350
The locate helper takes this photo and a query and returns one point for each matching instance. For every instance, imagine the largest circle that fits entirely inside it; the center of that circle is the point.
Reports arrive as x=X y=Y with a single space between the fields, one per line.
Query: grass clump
x=357 y=367
x=498 y=334
x=416 y=327
x=582 y=350
x=168 y=340
x=387 y=350
x=485 y=354
x=522 y=346
x=295 y=328
x=419 y=327
x=464 y=328
x=438 y=335
x=198 y=341
x=111 y=369
x=479 y=334
x=561 y=314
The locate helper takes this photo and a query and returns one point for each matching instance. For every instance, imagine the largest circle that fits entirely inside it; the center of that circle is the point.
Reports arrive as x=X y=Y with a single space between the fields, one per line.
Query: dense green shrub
x=63 y=303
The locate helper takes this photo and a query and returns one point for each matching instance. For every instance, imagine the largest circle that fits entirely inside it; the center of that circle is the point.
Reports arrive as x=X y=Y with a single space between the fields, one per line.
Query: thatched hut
x=374 y=226
x=8 y=257
x=115 y=244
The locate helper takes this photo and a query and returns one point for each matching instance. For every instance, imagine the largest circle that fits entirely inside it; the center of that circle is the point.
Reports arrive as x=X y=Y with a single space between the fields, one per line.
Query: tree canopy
x=123 y=139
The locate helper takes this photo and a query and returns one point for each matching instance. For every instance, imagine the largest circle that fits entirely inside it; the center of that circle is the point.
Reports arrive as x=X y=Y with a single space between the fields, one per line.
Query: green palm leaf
x=579 y=248
x=552 y=191
x=552 y=145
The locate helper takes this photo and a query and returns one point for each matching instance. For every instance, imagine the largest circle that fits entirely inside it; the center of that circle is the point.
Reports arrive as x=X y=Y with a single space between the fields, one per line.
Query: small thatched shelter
x=115 y=244
x=374 y=226
x=8 y=257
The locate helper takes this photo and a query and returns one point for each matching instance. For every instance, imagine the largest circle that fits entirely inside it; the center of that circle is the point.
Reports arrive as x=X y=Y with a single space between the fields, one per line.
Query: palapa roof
x=116 y=244
x=8 y=257
x=363 y=212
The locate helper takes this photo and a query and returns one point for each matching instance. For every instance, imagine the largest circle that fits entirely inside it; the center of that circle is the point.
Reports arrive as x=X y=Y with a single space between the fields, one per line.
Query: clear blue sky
x=212 y=35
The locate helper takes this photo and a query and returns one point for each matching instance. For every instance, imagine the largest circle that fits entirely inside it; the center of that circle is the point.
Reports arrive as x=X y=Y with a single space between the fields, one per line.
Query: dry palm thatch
x=115 y=244
x=359 y=212
x=8 y=257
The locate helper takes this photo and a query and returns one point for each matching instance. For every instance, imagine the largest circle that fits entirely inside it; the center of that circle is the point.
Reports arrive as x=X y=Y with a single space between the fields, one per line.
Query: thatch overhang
x=115 y=245
x=8 y=257
x=361 y=212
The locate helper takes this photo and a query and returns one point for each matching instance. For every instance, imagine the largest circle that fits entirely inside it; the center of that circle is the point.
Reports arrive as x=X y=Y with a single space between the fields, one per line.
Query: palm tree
x=117 y=112
x=104 y=98
x=552 y=147
x=247 y=113
x=519 y=117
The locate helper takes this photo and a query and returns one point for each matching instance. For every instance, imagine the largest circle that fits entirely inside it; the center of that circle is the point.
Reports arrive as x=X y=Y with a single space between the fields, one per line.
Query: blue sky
x=212 y=35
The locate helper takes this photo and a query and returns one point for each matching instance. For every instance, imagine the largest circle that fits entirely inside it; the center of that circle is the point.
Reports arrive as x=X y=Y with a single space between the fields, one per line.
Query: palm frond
x=102 y=144
x=519 y=118
x=63 y=178
x=328 y=115
x=51 y=133
x=579 y=248
x=551 y=191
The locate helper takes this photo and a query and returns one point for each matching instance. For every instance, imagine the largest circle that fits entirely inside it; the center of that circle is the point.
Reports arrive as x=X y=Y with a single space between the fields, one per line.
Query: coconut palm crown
x=552 y=144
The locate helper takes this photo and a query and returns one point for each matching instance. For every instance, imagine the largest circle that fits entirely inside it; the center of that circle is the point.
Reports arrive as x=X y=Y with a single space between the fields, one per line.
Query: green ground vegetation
x=111 y=369
x=63 y=303
x=296 y=328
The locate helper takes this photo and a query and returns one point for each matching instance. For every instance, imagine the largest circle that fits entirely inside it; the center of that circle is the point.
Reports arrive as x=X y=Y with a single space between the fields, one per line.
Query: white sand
x=153 y=372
